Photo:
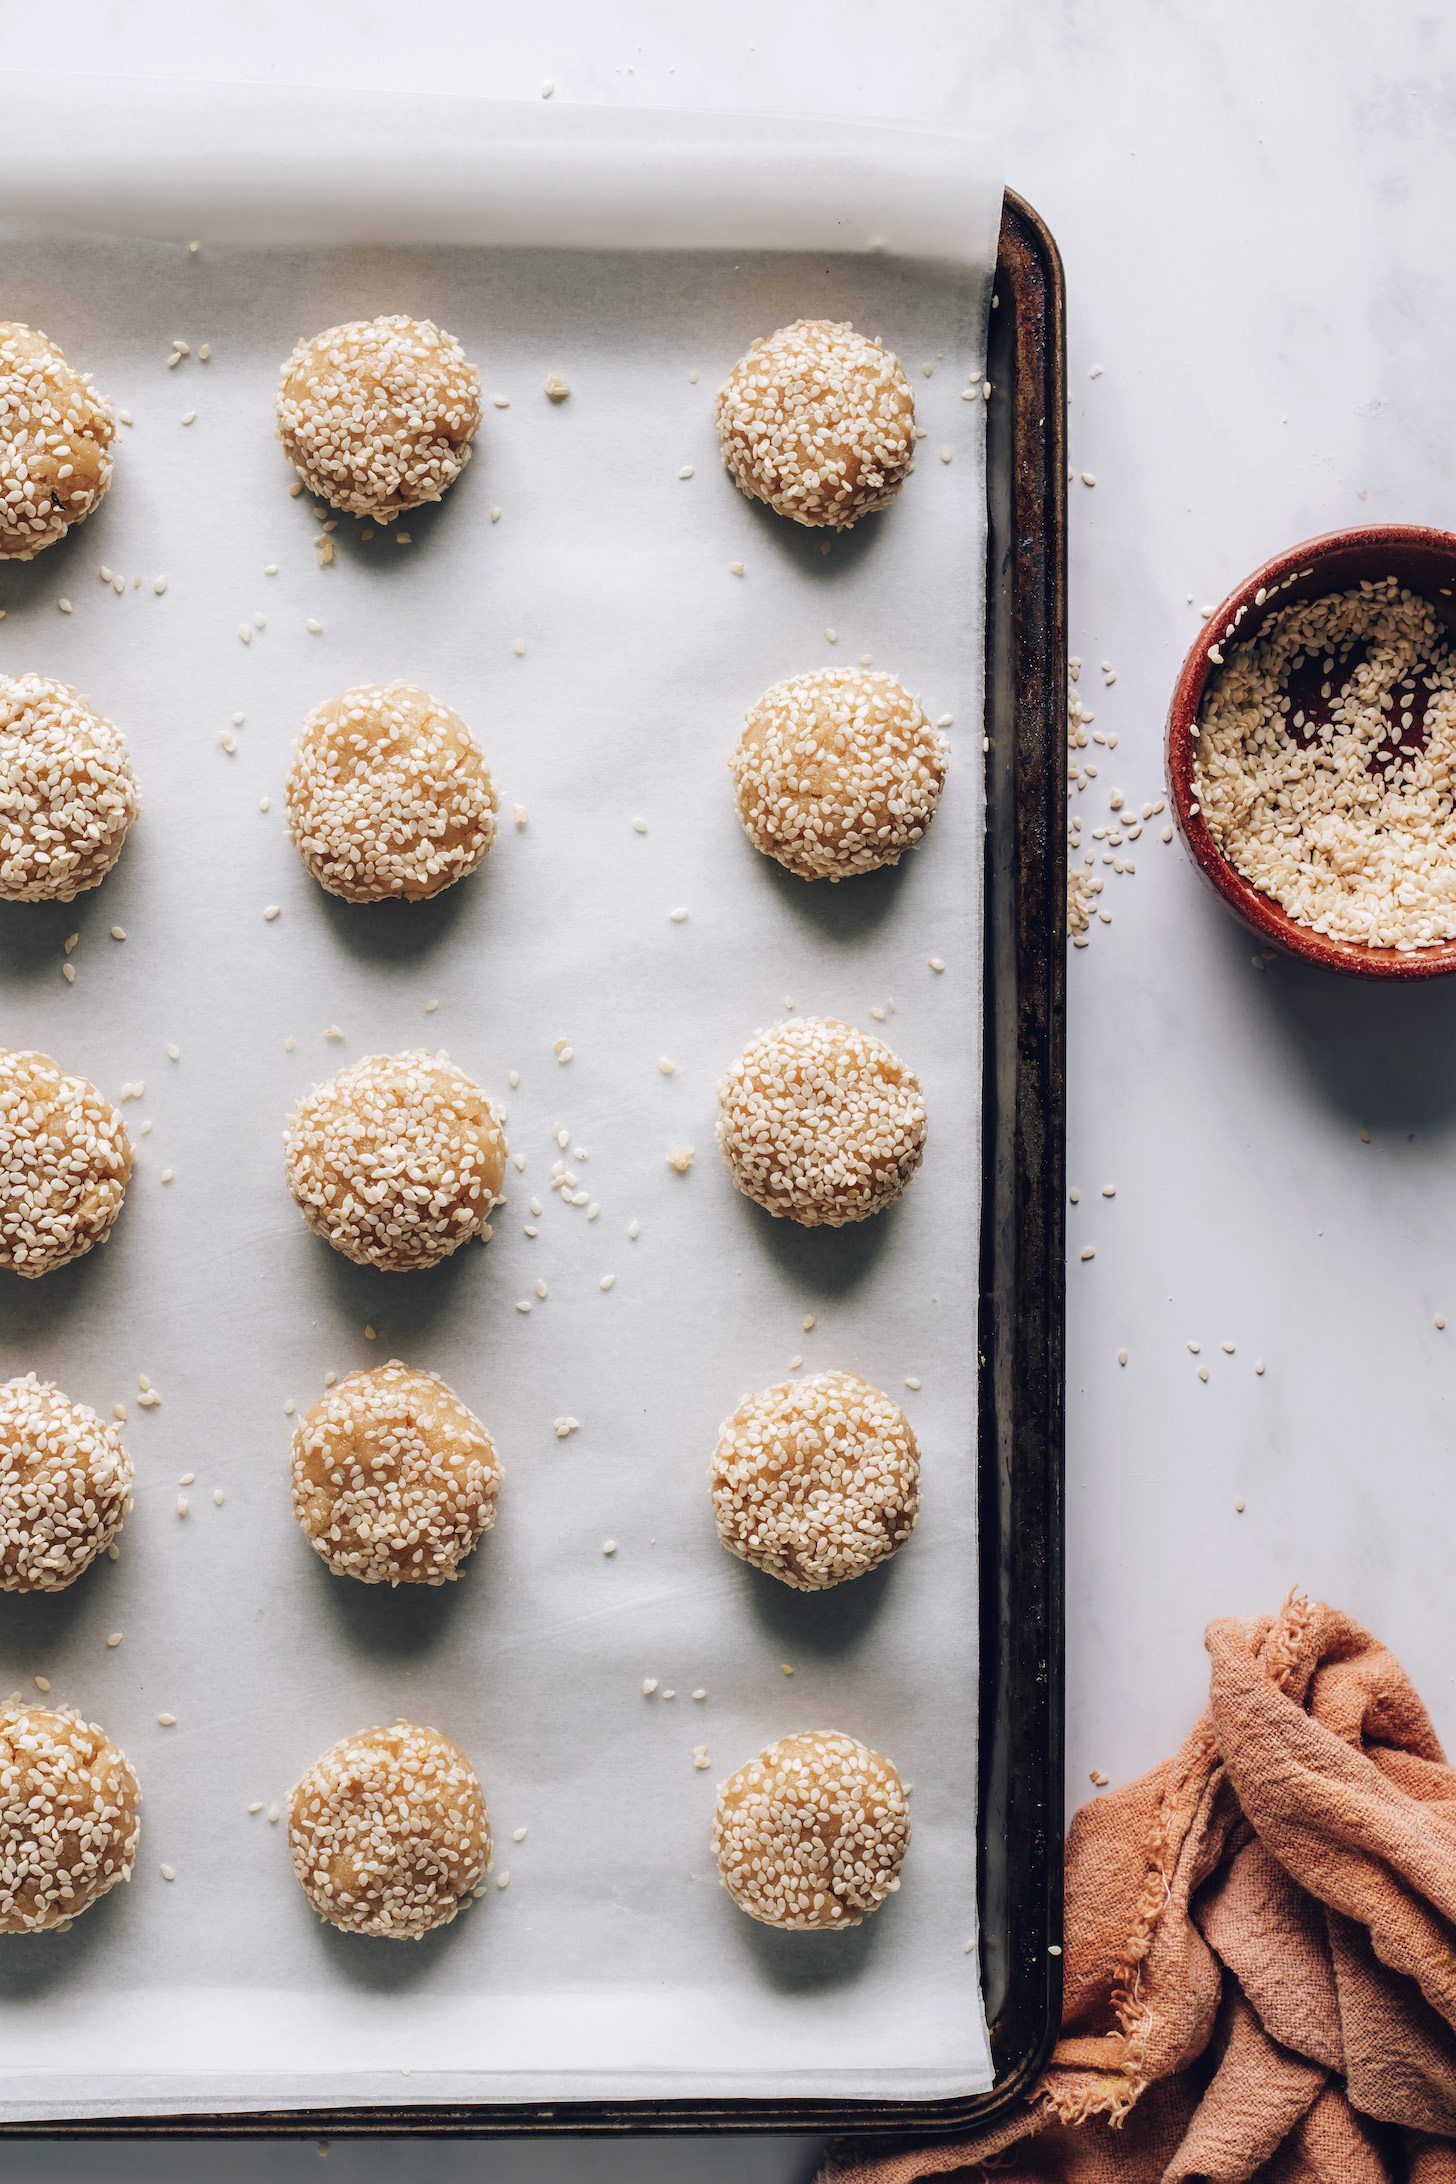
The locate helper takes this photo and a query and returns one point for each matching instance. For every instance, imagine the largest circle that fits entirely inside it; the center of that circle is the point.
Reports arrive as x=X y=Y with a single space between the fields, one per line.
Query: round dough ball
x=67 y=792
x=819 y=1121
x=65 y=1162
x=389 y=1833
x=389 y=795
x=397 y=1160
x=55 y=443
x=64 y=1482
x=816 y=1480
x=818 y=422
x=394 y=1481
x=837 y=772
x=812 y=1833
x=68 y=1816
x=378 y=416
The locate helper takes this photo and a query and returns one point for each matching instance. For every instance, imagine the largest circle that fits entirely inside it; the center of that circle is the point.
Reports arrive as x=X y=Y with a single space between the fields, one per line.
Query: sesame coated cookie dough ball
x=68 y=1817
x=65 y=1162
x=837 y=772
x=389 y=1833
x=378 y=416
x=64 y=1483
x=818 y=422
x=816 y=1480
x=67 y=792
x=389 y=795
x=812 y=1833
x=397 y=1161
x=820 y=1122
x=55 y=443
x=394 y=1481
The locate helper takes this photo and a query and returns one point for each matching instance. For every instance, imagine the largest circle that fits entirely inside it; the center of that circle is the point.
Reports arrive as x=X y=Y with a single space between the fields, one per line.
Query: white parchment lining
x=613 y=1964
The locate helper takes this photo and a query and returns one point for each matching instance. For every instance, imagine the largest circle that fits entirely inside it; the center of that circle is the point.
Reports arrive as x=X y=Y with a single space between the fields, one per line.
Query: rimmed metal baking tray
x=1021 y=1330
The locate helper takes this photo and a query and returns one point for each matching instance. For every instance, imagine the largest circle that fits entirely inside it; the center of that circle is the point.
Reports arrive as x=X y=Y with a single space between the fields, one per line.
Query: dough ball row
x=389 y=797
x=399 y=1159
x=389 y=1834
x=378 y=416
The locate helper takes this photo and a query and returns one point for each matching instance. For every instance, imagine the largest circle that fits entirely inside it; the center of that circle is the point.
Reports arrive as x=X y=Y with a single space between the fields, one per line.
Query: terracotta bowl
x=1423 y=560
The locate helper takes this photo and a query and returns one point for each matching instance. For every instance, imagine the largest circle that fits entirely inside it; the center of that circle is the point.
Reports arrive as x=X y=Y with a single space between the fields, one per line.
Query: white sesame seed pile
x=68 y=1816
x=378 y=415
x=818 y=422
x=812 y=1832
x=837 y=772
x=67 y=793
x=394 y=1480
x=65 y=1161
x=816 y=1481
x=64 y=1482
x=397 y=1160
x=389 y=794
x=388 y=1832
x=55 y=443
x=1324 y=766
x=820 y=1121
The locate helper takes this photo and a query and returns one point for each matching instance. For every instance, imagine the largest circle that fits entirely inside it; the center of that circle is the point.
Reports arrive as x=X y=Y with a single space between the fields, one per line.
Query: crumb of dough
x=816 y=1481
x=818 y=422
x=837 y=772
x=821 y=1122
x=394 y=1480
x=378 y=415
x=64 y=1482
x=812 y=1833
x=65 y=1161
x=397 y=1160
x=389 y=795
x=67 y=792
x=388 y=1832
x=68 y=1816
x=55 y=443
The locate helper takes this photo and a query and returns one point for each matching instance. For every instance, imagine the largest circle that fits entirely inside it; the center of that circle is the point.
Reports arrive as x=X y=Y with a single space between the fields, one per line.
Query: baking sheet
x=613 y=1963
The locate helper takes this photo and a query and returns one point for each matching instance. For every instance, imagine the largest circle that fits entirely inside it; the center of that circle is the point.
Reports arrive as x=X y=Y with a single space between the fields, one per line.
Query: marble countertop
x=1249 y=203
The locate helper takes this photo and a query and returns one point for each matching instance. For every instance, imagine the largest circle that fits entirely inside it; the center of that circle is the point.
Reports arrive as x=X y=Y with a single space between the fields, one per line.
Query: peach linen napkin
x=1260 y=1945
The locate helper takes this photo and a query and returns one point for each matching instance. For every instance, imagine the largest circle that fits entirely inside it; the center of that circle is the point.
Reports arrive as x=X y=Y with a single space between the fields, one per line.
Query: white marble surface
x=1250 y=205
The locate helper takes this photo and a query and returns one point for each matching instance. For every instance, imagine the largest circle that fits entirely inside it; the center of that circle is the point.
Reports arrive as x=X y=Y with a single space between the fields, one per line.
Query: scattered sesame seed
x=288 y=1408
x=166 y=1175
x=1167 y=834
x=288 y=1044
x=64 y=605
x=270 y=568
x=945 y=454
x=217 y=1497
x=167 y=1873
x=677 y=917
x=181 y=1505
x=795 y=1361
x=831 y=636
x=315 y=629
x=273 y=1815
x=634 y=1230
x=664 y=1065
x=1440 y=1319
x=295 y=488
x=523 y=1304
x=649 y=1685
x=701 y=1761
x=270 y=913
x=693 y=377
x=609 y=1546
x=68 y=973
x=189 y=417
x=513 y=1080
x=1239 y=1504
x=174 y=1054
x=1364 y=1137
x=1088 y=1252
x=1109 y=1190
x=681 y=1158
x=556 y=384
x=686 y=471
x=257 y=1805
x=937 y=963
x=541 y=1291
x=501 y=401
x=263 y=803
x=1258 y=1365
x=1227 y=1348
x=911 y=1381
x=786 y=1668
x=519 y=648
x=735 y=568
x=503 y=1880
x=607 y=1281
x=1087 y=478
x=1195 y=1347
x=168 y=1721
x=1122 y=1357
x=1203 y=1372
x=495 y=515
x=639 y=826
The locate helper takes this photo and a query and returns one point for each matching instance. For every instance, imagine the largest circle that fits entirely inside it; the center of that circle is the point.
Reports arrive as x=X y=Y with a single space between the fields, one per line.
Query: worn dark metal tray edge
x=1019 y=1876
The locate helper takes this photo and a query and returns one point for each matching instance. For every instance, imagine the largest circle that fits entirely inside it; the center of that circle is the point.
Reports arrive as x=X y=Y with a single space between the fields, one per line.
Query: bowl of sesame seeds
x=1312 y=751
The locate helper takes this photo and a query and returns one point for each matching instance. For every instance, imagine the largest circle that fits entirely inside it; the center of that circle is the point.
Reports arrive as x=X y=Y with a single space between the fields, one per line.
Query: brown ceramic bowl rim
x=1369 y=552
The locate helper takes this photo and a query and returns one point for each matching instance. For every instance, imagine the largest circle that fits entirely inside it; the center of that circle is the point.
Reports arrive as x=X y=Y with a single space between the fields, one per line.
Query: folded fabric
x=1260 y=1967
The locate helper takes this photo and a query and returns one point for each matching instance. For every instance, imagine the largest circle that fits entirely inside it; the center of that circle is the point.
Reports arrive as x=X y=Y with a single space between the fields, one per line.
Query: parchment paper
x=613 y=1963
